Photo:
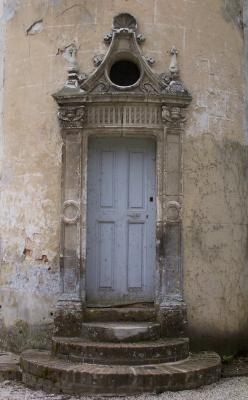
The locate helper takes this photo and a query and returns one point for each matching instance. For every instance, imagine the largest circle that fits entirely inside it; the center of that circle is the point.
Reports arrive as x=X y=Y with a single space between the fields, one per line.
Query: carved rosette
x=71 y=117
x=173 y=117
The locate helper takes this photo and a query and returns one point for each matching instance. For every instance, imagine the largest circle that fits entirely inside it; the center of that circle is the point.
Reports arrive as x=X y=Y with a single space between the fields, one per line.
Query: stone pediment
x=124 y=48
x=124 y=72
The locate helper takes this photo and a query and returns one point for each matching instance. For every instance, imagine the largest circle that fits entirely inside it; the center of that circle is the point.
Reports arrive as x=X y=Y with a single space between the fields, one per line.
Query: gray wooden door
x=121 y=215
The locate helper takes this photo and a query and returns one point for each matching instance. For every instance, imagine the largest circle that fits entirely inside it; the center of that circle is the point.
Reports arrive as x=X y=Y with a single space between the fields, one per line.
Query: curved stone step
x=9 y=367
x=120 y=314
x=151 y=352
x=120 y=331
x=41 y=371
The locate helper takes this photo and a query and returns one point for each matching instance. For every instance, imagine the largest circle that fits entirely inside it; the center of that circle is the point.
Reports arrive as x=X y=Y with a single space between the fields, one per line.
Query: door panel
x=121 y=220
x=135 y=253
x=136 y=179
x=106 y=254
x=107 y=179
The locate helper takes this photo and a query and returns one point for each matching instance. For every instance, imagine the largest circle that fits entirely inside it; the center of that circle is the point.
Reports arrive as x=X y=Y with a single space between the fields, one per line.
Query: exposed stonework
x=159 y=351
x=9 y=367
x=51 y=375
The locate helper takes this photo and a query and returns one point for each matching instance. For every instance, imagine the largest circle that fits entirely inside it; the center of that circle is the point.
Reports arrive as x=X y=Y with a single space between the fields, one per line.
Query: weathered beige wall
x=215 y=159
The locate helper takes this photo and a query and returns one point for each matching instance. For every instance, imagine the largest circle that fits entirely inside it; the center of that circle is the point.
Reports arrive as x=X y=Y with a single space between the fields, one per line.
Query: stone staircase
x=120 y=352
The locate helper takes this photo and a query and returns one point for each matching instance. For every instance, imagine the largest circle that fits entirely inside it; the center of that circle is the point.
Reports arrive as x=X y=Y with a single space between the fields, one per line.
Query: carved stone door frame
x=154 y=106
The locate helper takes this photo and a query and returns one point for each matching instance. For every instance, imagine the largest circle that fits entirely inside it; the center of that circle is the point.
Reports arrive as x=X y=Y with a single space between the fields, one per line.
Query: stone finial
x=73 y=68
x=72 y=57
x=174 y=68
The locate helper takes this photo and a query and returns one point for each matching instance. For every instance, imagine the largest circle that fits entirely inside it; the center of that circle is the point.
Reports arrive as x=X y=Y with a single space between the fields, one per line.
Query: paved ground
x=226 y=389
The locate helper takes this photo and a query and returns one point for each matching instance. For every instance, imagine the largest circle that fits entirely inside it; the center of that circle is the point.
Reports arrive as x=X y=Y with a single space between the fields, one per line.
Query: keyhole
x=151 y=199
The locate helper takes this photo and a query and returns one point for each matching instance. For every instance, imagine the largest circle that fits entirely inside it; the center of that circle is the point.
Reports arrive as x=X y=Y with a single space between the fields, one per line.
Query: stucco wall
x=208 y=35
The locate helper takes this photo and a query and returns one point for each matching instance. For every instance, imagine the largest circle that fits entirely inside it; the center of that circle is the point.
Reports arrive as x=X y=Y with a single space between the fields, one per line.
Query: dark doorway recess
x=124 y=73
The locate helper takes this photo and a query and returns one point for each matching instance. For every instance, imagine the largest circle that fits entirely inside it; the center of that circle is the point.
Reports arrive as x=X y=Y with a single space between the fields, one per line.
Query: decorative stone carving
x=124 y=115
x=82 y=78
x=171 y=80
x=176 y=87
x=102 y=87
x=73 y=205
x=73 y=67
x=149 y=60
x=173 y=211
x=72 y=117
x=108 y=37
x=125 y=21
x=173 y=116
x=174 y=68
x=97 y=59
x=141 y=38
x=148 y=87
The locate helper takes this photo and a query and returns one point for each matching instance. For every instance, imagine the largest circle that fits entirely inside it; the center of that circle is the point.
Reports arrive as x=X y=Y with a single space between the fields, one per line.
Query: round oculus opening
x=124 y=73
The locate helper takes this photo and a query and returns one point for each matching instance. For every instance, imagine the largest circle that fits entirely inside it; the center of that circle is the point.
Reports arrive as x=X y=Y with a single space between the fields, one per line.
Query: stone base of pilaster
x=68 y=318
x=173 y=319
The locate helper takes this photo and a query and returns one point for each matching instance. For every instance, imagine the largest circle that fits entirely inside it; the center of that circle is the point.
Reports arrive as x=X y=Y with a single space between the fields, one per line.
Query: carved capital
x=71 y=117
x=173 y=116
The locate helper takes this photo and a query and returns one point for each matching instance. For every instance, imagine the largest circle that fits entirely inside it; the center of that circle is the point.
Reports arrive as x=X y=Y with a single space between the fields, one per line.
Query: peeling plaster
x=35 y=28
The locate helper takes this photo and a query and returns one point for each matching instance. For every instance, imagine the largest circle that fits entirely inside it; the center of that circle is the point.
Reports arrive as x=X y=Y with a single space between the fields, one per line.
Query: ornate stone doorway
x=122 y=98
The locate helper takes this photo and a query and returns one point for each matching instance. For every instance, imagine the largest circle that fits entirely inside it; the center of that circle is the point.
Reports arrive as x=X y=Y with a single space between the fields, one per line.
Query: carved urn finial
x=174 y=68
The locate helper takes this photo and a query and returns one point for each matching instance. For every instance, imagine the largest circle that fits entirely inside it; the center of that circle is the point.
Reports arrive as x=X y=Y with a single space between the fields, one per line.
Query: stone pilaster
x=172 y=309
x=68 y=316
